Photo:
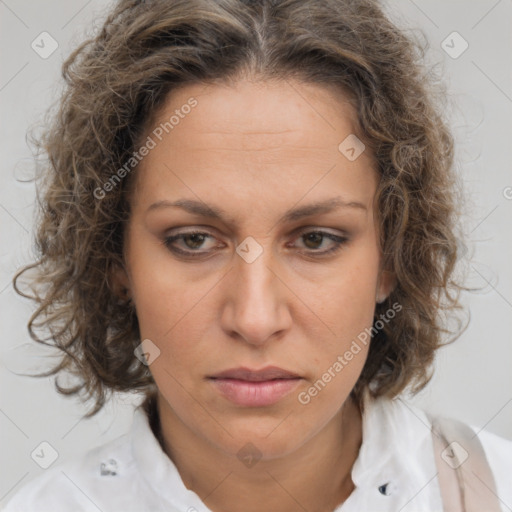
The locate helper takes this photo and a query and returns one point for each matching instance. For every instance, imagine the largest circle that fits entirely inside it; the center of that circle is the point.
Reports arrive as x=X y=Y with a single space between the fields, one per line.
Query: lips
x=255 y=388
x=265 y=374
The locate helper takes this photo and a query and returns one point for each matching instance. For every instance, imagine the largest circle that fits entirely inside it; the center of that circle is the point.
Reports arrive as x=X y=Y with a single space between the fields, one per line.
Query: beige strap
x=465 y=478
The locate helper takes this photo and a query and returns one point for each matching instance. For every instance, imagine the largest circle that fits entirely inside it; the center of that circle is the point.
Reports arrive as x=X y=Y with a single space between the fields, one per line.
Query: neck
x=315 y=477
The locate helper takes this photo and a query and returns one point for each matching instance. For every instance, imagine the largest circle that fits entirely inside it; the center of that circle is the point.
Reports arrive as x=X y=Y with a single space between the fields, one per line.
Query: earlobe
x=386 y=284
x=380 y=299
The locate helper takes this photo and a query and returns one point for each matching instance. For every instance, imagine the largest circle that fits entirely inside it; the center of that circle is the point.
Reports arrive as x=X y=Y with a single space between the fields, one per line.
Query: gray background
x=473 y=379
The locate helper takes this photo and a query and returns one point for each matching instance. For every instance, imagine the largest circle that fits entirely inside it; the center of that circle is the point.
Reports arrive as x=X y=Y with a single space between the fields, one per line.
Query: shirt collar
x=373 y=466
x=395 y=437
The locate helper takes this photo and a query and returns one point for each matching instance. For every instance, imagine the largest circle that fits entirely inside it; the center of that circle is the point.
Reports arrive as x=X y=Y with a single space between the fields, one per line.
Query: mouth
x=265 y=374
x=255 y=388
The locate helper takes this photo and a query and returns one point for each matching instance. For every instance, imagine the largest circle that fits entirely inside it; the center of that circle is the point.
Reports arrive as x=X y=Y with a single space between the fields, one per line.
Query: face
x=254 y=286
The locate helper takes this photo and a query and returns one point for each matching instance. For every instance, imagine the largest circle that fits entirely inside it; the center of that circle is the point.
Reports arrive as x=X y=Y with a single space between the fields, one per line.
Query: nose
x=255 y=306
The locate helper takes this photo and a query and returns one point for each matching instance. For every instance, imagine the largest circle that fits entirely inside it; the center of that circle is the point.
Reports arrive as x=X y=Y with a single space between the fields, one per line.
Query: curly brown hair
x=117 y=80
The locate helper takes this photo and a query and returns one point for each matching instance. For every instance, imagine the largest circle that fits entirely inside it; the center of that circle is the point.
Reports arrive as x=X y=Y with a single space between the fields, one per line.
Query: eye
x=193 y=240
x=315 y=239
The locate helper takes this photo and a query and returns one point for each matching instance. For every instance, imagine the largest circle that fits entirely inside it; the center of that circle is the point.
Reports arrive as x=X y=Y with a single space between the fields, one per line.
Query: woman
x=248 y=215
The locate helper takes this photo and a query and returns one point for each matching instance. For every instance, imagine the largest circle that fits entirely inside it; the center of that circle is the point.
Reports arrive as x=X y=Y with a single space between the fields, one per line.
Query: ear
x=120 y=280
x=385 y=285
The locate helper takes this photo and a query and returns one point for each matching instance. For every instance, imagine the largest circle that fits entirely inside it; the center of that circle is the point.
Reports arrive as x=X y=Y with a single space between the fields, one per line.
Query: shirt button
x=109 y=467
x=387 y=489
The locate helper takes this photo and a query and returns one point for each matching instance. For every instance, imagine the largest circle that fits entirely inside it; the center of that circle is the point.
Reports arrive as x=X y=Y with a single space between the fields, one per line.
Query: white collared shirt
x=395 y=471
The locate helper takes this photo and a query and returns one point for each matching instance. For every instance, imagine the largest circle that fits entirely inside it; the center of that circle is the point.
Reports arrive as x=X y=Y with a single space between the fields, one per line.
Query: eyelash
x=338 y=240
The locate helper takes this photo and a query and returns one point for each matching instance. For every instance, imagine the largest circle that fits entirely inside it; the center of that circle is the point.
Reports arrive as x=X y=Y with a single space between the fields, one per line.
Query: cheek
x=346 y=300
x=173 y=312
x=338 y=355
x=346 y=305
x=163 y=296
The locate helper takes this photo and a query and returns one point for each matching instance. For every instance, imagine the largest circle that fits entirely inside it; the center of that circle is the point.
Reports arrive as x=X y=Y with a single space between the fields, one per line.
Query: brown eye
x=192 y=241
x=314 y=240
x=195 y=239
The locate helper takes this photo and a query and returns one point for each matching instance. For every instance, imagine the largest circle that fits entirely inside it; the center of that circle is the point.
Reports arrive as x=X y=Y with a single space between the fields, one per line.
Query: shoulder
x=81 y=484
x=497 y=449
x=398 y=454
x=498 y=452
x=131 y=473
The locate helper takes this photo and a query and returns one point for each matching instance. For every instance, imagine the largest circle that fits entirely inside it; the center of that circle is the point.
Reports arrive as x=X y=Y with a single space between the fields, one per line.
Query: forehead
x=261 y=109
x=279 y=138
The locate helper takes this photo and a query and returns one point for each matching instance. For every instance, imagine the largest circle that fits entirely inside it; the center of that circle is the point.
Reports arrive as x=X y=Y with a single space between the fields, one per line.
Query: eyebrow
x=202 y=209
